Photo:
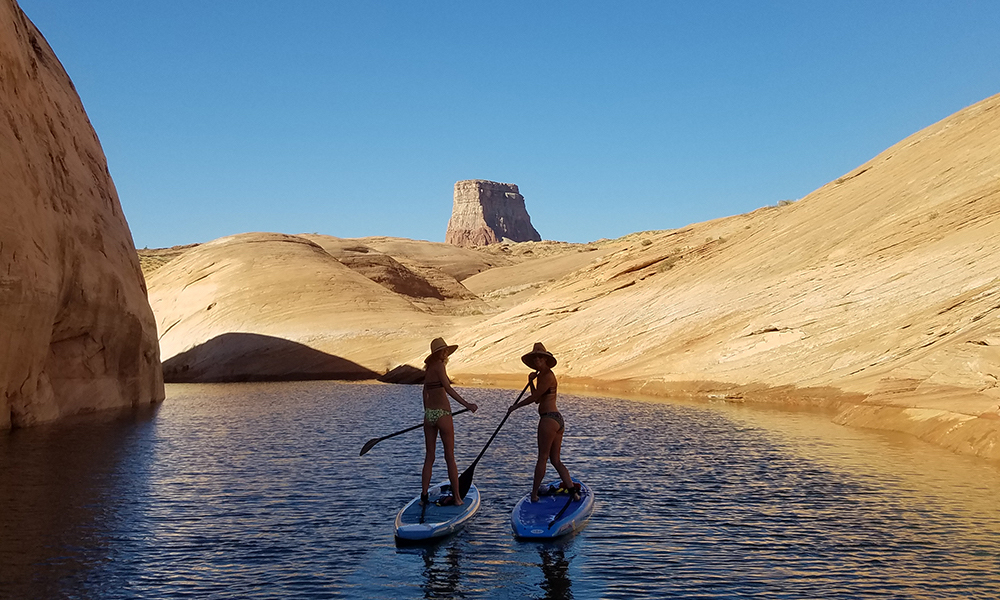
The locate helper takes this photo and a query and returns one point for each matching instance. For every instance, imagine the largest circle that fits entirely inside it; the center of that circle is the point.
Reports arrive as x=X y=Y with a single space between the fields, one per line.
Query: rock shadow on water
x=73 y=499
x=243 y=357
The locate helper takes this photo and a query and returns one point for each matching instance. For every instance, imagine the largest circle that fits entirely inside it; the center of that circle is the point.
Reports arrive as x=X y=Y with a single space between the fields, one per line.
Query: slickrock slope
x=427 y=273
x=486 y=212
x=883 y=285
x=76 y=332
x=315 y=306
x=287 y=288
x=540 y=263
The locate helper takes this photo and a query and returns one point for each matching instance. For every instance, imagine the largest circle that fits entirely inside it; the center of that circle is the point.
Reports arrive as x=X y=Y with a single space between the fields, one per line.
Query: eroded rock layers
x=486 y=212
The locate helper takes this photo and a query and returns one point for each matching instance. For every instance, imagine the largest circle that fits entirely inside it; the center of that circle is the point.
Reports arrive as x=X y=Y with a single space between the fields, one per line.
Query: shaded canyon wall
x=76 y=330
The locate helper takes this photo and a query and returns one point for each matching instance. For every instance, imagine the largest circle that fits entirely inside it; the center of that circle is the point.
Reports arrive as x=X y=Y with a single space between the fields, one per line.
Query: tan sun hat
x=539 y=350
x=437 y=345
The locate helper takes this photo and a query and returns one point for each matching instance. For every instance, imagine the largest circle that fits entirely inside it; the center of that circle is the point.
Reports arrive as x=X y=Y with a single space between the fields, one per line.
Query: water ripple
x=256 y=491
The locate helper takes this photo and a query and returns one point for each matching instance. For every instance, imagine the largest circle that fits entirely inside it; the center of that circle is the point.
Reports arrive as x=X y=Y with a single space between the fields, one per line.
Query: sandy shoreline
x=947 y=421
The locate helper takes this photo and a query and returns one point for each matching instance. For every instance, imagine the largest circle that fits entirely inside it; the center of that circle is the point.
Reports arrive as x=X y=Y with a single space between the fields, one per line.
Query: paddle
x=371 y=443
x=572 y=496
x=465 y=481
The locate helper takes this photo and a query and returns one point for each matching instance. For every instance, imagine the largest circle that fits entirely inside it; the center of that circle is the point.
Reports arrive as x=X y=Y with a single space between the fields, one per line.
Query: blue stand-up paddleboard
x=423 y=523
x=554 y=514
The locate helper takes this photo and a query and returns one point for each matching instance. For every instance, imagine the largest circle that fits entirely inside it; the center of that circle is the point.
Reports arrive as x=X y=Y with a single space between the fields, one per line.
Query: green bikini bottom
x=431 y=415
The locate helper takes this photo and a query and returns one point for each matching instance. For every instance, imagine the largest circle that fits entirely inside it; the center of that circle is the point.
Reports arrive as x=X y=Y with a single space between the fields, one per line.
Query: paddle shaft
x=560 y=513
x=465 y=481
x=371 y=443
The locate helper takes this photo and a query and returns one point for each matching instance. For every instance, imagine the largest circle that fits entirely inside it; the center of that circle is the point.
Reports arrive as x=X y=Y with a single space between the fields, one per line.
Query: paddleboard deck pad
x=547 y=519
x=416 y=522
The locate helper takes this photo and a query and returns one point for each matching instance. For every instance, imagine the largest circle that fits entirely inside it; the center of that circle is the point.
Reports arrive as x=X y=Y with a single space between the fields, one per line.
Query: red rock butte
x=487 y=212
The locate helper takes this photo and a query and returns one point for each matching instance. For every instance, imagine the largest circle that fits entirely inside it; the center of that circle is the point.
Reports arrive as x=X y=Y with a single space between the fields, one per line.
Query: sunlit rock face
x=882 y=284
x=76 y=330
x=289 y=300
x=271 y=306
x=486 y=212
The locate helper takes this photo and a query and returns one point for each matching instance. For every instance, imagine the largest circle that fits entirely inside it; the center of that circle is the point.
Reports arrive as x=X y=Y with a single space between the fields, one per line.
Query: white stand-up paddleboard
x=415 y=522
x=554 y=515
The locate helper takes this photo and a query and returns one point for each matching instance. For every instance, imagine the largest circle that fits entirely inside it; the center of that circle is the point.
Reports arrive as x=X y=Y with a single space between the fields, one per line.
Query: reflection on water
x=445 y=566
x=442 y=573
x=555 y=567
x=257 y=491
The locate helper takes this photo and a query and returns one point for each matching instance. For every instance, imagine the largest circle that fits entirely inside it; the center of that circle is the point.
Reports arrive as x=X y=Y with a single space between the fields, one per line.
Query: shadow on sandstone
x=405 y=374
x=235 y=357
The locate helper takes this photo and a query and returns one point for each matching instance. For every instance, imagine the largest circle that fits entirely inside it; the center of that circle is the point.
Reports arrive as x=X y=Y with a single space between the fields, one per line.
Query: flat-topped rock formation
x=77 y=332
x=487 y=212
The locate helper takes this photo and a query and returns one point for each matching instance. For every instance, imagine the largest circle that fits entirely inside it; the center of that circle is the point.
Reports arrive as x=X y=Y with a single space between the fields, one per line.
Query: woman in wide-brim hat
x=437 y=416
x=551 y=425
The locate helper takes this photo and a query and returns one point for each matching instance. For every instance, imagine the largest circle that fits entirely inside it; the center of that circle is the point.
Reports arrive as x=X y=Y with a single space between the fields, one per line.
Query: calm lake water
x=257 y=491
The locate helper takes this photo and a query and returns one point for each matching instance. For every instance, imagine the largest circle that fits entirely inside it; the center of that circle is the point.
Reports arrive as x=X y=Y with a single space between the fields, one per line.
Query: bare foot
x=534 y=497
x=458 y=501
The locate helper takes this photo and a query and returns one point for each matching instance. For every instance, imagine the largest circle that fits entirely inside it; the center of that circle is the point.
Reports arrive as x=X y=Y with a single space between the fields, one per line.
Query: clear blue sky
x=356 y=118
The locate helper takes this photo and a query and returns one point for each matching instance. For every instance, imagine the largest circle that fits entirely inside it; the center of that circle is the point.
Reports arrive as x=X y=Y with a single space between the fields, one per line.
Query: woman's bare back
x=548 y=389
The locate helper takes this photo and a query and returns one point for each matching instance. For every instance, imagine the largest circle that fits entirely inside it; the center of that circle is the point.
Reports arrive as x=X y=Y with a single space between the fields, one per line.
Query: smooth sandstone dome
x=367 y=305
x=76 y=331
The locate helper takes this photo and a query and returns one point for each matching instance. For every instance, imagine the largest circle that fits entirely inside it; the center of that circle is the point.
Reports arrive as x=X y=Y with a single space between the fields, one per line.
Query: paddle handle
x=457 y=412
x=560 y=513
x=371 y=443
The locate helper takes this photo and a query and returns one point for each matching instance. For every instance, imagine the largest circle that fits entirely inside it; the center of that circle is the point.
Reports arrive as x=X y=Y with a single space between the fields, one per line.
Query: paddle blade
x=369 y=445
x=465 y=481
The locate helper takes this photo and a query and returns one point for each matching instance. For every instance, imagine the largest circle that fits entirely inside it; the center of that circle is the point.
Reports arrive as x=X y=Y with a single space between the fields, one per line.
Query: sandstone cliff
x=486 y=212
x=76 y=331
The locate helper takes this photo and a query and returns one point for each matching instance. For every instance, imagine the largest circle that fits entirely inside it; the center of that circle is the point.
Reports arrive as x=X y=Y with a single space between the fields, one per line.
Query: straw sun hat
x=437 y=345
x=538 y=350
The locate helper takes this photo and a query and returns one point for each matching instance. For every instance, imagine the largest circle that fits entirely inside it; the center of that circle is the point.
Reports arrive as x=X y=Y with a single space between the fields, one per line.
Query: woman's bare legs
x=446 y=427
x=549 y=440
x=567 y=481
x=430 y=440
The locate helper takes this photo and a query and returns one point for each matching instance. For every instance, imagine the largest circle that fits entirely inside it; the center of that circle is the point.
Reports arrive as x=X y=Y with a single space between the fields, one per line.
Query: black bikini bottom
x=555 y=416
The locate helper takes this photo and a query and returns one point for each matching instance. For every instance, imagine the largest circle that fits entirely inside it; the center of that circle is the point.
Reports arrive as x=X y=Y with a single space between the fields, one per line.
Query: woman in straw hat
x=550 y=422
x=437 y=415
